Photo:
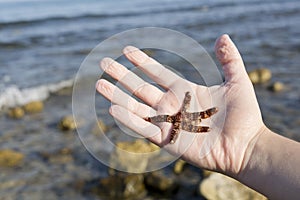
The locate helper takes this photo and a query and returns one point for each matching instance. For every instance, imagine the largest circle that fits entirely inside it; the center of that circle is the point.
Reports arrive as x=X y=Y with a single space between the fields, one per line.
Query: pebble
x=207 y=173
x=260 y=76
x=60 y=156
x=99 y=127
x=67 y=123
x=178 y=167
x=16 y=113
x=276 y=87
x=10 y=158
x=34 y=107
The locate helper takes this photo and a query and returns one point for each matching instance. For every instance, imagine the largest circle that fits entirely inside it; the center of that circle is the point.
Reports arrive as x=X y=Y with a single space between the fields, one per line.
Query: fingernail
x=129 y=49
x=105 y=63
x=135 y=53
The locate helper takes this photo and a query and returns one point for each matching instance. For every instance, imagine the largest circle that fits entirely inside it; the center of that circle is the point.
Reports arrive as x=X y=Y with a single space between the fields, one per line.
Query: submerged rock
x=259 y=76
x=221 y=187
x=207 y=173
x=34 y=107
x=138 y=146
x=276 y=87
x=10 y=158
x=16 y=113
x=98 y=127
x=121 y=186
x=133 y=156
x=60 y=156
x=179 y=165
x=67 y=123
x=149 y=52
x=161 y=183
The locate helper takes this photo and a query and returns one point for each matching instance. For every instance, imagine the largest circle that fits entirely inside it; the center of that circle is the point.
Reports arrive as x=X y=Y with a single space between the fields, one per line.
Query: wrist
x=270 y=166
x=254 y=154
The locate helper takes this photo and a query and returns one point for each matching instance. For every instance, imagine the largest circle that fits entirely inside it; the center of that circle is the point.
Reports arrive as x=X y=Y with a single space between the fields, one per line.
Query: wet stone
x=10 y=158
x=133 y=156
x=99 y=127
x=159 y=182
x=67 y=123
x=260 y=76
x=61 y=156
x=16 y=113
x=207 y=173
x=121 y=186
x=221 y=187
x=276 y=87
x=34 y=107
x=179 y=165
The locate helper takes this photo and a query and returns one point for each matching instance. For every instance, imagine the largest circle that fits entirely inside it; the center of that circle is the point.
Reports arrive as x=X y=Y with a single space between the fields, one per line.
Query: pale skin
x=245 y=149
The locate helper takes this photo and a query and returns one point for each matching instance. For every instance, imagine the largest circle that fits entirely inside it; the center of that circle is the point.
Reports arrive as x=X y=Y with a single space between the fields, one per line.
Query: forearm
x=273 y=167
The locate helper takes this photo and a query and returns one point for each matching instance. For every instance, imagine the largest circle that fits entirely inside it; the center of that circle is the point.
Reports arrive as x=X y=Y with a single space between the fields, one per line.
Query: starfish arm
x=207 y=113
x=186 y=102
x=194 y=116
x=175 y=132
x=194 y=129
x=197 y=116
x=158 y=118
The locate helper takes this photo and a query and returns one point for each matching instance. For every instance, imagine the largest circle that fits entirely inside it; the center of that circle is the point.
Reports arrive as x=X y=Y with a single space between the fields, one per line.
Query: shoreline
x=50 y=152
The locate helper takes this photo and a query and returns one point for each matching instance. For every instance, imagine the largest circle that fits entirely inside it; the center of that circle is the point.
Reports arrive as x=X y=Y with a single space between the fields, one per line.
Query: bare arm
x=272 y=166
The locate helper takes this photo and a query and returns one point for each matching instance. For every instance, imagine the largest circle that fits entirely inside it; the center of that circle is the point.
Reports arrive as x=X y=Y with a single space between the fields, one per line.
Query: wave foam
x=14 y=96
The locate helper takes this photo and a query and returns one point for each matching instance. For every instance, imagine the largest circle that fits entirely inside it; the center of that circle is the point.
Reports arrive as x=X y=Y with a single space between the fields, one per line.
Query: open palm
x=232 y=129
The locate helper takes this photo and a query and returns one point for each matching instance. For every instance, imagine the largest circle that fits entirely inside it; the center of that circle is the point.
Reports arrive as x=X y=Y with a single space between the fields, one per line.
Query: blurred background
x=43 y=43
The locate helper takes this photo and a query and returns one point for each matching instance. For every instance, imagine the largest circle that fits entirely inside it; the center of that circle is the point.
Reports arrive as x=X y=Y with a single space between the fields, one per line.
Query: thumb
x=231 y=60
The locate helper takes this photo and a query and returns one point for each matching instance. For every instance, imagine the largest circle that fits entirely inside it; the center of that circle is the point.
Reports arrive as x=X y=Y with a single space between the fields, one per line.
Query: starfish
x=184 y=120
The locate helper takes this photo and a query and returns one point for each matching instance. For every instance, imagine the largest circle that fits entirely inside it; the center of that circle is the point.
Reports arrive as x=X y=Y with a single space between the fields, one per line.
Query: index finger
x=156 y=71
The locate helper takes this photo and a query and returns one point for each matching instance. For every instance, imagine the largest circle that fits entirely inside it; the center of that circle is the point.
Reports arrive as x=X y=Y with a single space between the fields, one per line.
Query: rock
x=276 y=87
x=99 y=125
x=221 y=187
x=61 y=159
x=34 y=107
x=10 y=185
x=179 y=165
x=67 y=123
x=66 y=91
x=159 y=182
x=10 y=158
x=207 y=173
x=264 y=74
x=149 y=52
x=138 y=146
x=133 y=156
x=259 y=76
x=102 y=126
x=16 y=113
x=125 y=186
x=60 y=156
x=254 y=77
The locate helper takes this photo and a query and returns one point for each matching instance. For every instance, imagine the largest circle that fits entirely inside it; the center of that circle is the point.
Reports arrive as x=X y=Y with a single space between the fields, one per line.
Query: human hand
x=233 y=128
